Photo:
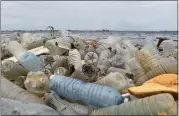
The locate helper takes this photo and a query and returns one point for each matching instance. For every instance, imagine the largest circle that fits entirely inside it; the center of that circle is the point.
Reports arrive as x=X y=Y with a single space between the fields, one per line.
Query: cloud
x=89 y=15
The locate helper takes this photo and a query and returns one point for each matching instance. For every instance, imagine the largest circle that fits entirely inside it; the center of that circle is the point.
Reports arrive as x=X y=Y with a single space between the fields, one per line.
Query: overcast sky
x=89 y=15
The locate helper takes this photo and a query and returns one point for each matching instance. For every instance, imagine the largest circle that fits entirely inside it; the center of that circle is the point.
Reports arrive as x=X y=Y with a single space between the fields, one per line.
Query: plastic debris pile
x=71 y=75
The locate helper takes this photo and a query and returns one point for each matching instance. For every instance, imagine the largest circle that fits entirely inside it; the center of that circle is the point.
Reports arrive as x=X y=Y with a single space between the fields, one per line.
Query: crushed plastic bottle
x=78 y=90
x=153 y=105
x=14 y=107
x=37 y=83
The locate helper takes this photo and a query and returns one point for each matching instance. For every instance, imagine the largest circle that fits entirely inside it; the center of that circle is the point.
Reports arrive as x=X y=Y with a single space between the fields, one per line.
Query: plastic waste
x=153 y=105
x=140 y=75
x=47 y=72
x=78 y=74
x=165 y=83
x=30 y=41
x=168 y=47
x=149 y=45
x=78 y=43
x=37 y=83
x=4 y=51
x=54 y=101
x=31 y=62
x=90 y=71
x=57 y=47
x=146 y=60
x=78 y=90
x=89 y=48
x=12 y=91
x=117 y=81
x=11 y=70
x=75 y=59
x=14 y=107
x=117 y=61
x=61 y=71
x=91 y=58
x=16 y=49
x=124 y=72
x=82 y=54
x=169 y=65
x=20 y=81
x=28 y=60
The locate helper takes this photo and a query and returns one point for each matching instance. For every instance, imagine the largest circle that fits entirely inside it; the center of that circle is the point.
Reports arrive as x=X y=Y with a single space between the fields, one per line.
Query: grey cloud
x=117 y=15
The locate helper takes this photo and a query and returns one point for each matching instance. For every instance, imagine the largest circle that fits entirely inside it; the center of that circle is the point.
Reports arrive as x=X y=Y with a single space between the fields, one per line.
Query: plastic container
x=91 y=58
x=54 y=101
x=93 y=94
x=61 y=71
x=14 y=107
x=168 y=47
x=160 y=104
x=12 y=70
x=30 y=41
x=12 y=91
x=57 y=47
x=31 y=62
x=16 y=49
x=149 y=45
x=75 y=59
x=117 y=61
x=116 y=80
x=37 y=83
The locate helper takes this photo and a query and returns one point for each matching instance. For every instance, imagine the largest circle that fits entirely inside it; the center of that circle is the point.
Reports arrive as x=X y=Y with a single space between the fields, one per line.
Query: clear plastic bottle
x=28 y=60
x=168 y=47
x=90 y=93
x=159 y=104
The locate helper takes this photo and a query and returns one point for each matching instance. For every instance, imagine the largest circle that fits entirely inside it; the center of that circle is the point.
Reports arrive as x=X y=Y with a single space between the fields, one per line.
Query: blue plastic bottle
x=31 y=62
x=90 y=93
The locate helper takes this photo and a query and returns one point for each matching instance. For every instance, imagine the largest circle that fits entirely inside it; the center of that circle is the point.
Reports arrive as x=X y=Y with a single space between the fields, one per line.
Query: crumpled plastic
x=165 y=83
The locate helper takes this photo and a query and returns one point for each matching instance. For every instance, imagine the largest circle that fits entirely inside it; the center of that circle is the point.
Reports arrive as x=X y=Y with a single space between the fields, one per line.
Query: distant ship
x=105 y=30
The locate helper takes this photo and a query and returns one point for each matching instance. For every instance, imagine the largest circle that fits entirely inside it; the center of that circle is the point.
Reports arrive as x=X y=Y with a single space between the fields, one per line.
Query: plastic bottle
x=168 y=47
x=37 y=83
x=149 y=45
x=153 y=105
x=75 y=59
x=54 y=101
x=91 y=58
x=14 y=107
x=116 y=80
x=16 y=49
x=94 y=94
x=28 y=60
x=61 y=71
x=12 y=91
x=11 y=70
x=57 y=47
